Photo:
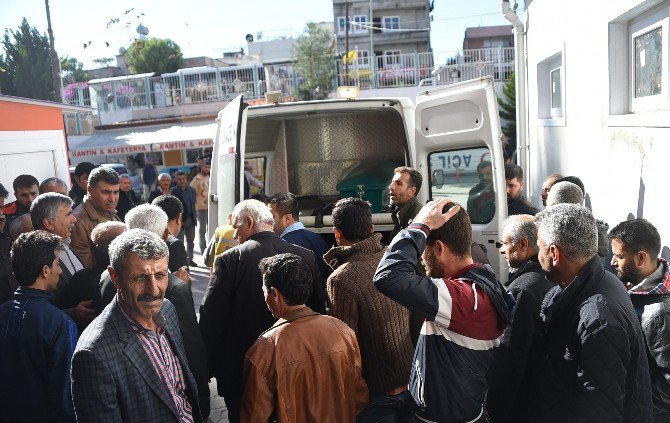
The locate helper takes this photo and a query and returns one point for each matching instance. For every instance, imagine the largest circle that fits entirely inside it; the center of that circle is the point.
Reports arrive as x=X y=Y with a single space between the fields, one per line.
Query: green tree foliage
x=154 y=55
x=313 y=64
x=73 y=70
x=507 y=111
x=25 y=68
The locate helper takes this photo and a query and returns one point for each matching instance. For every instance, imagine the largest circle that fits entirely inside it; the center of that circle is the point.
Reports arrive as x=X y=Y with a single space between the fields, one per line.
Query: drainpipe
x=522 y=149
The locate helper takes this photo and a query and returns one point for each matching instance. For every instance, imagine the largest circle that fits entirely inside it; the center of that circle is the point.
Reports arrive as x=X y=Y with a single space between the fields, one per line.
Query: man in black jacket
x=233 y=312
x=635 y=247
x=509 y=374
x=591 y=363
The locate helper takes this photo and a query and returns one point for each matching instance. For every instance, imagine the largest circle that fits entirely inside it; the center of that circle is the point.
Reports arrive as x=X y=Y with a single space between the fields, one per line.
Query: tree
x=154 y=55
x=25 y=68
x=73 y=70
x=313 y=64
x=507 y=111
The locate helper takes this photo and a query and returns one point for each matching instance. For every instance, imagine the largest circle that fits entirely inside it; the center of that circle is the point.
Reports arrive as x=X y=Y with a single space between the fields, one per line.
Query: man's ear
x=439 y=248
x=338 y=234
x=523 y=243
x=640 y=258
x=114 y=276
x=46 y=270
x=555 y=254
x=46 y=223
x=372 y=230
x=179 y=218
x=413 y=191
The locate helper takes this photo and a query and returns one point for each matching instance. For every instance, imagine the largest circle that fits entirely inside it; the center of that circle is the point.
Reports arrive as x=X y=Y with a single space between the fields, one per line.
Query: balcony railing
x=207 y=84
x=410 y=69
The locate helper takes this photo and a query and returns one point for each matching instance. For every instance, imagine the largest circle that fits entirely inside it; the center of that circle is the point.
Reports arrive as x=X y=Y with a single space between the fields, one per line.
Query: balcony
x=206 y=90
x=401 y=70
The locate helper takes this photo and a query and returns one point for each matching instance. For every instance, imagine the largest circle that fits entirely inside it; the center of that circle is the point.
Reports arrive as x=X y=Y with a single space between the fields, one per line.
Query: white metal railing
x=183 y=87
x=410 y=69
x=475 y=63
x=198 y=85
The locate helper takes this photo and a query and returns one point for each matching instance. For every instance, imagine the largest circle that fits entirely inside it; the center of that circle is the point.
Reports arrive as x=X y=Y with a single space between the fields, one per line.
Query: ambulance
x=325 y=150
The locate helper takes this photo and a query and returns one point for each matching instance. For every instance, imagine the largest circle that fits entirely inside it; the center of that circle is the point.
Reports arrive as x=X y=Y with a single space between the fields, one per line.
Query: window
x=192 y=155
x=341 y=25
x=648 y=49
x=555 y=94
x=550 y=91
x=638 y=60
x=360 y=23
x=466 y=177
x=391 y=22
x=363 y=58
x=156 y=158
x=392 y=58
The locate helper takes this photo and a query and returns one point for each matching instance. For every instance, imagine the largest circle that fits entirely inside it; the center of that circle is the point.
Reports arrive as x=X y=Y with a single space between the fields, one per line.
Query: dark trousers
x=388 y=409
x=188 y=229
x=233 y=404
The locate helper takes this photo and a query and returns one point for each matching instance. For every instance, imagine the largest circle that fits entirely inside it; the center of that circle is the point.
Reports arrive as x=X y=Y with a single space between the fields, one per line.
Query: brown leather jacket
x=307 y=367
x=87 y=218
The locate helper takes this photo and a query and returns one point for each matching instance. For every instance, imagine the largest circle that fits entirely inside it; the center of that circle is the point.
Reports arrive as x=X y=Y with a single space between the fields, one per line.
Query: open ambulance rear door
x=226 y=164
x=457 y=135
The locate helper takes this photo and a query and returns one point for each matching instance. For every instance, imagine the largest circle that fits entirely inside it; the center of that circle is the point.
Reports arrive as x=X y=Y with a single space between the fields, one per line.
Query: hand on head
x=431 y=214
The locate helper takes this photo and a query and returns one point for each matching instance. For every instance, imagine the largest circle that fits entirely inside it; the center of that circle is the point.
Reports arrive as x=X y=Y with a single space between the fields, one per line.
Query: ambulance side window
x=466 y=177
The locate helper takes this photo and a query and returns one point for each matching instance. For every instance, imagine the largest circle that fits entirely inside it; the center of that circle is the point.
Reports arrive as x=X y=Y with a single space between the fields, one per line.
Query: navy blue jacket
x=312 y=241
x=37 y=341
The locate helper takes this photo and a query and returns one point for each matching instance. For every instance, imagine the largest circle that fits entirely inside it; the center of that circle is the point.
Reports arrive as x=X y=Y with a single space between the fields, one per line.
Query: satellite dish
x=142 y=30
x=122 y=51
x=249 y=38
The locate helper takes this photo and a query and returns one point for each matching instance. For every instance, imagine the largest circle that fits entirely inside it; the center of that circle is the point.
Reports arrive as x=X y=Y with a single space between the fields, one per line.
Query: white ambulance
x=324 y=150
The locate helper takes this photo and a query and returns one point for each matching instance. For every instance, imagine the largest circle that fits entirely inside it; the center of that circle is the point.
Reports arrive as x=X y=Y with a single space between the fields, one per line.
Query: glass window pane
x=648 y=63
x=466 y=177
x=556 y=88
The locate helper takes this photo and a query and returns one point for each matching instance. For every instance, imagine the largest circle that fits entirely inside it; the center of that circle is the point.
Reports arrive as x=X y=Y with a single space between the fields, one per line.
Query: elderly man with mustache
x=130 y=363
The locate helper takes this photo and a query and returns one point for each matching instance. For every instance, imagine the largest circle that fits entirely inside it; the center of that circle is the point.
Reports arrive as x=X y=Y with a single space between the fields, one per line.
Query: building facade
x=386 y=27
x=488 y=37
x=598 y=86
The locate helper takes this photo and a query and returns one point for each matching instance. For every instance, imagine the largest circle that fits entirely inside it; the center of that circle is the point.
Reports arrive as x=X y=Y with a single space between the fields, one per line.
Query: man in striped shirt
x=130 y=363
x=465 y=308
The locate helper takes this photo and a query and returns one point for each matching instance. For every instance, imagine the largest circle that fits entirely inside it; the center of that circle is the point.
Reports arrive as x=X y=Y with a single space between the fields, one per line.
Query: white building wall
x=622 y=159
x=38 y=153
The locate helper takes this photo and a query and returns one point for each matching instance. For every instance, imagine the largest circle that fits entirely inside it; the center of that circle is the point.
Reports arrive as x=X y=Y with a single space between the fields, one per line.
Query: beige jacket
x=87 y=219
x=200 y=184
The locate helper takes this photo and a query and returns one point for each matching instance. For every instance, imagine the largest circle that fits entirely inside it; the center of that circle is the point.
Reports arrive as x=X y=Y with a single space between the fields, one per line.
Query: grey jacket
x=113 y=379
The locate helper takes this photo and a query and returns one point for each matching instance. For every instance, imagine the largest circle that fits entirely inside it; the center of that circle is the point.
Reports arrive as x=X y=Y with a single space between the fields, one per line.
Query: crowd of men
x=98 y=322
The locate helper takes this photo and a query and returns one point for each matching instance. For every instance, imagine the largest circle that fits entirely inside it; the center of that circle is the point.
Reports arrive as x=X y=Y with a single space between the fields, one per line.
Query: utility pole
x=346 y=42
x=55 y=65
x=372 y=60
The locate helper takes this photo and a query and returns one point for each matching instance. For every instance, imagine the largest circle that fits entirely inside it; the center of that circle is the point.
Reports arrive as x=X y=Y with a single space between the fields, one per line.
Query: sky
x=208 y=27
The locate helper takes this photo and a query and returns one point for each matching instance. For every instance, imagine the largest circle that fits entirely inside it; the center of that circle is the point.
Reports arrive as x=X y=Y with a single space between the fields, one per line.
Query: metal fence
x=475 y=63
x=197 y=85
x=191 y=86
x=398 y=70
x=80 y=123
